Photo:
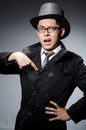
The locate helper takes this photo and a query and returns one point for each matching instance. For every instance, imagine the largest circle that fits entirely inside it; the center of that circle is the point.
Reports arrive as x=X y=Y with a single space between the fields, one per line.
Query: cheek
x=40 y=36
x=55 y=37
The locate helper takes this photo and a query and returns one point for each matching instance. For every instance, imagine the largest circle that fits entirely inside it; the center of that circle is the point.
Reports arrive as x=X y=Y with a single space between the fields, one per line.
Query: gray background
x=17 y=33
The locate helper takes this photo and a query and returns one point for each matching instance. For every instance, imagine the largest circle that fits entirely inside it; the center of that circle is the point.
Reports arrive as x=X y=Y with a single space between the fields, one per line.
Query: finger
x=50 y=112
x=50 y=109
x=54 y=104
x=53 y=119
x=34 y=66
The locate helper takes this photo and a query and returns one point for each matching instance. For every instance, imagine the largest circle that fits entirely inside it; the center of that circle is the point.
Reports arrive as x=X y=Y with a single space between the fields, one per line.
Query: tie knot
x=48 y=54
x=46 y=58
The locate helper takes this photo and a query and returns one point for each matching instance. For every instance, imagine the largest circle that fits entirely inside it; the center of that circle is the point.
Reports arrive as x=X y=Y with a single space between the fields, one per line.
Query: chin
x=48 y=49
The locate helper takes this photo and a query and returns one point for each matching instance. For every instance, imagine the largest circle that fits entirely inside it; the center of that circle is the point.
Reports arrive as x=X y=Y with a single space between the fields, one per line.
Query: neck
x=50 y=50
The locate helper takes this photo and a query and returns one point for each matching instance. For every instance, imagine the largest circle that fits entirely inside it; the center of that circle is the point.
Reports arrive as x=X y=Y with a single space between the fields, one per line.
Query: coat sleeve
x=8 y=67
x=11 y=67
x=77 y=111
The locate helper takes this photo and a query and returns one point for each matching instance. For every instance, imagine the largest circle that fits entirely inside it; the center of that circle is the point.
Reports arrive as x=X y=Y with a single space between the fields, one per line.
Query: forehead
x=47 y=22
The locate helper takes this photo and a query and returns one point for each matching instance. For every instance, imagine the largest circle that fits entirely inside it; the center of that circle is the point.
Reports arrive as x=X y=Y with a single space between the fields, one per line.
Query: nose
x=46 y=33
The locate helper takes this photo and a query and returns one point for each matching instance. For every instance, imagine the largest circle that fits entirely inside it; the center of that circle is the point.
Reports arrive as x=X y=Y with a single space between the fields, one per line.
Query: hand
x=22 y=60
x=59 y=112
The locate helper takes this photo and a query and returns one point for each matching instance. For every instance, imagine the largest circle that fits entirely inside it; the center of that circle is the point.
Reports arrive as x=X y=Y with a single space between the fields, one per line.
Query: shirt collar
x=56 y=50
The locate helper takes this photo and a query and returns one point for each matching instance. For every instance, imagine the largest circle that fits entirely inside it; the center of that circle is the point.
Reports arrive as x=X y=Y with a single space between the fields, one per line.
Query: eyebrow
x=48 y=26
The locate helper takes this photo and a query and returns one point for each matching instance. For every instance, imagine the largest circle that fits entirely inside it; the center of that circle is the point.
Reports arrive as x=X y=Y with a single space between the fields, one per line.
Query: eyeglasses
x=49 y=29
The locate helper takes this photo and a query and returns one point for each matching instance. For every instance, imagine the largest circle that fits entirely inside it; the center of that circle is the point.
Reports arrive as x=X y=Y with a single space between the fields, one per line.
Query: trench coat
x=56 y=82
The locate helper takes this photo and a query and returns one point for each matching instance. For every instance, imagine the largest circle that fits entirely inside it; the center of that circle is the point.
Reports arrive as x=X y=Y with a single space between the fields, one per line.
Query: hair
x=57 y=22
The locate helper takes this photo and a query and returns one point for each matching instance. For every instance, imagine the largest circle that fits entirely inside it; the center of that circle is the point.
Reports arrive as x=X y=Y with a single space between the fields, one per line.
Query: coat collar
x=57 y=57
x=35 y=55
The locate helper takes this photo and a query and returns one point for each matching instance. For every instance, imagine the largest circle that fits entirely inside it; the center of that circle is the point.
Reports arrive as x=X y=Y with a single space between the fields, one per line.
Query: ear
x=62 y=31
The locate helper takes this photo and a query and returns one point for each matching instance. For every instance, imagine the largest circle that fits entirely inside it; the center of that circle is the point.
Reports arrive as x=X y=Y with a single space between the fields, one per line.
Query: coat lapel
x=55 y=58
x=37 y=59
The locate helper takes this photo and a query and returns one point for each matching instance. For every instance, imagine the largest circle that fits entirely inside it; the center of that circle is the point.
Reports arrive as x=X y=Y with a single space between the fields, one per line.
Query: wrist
x=12 y=57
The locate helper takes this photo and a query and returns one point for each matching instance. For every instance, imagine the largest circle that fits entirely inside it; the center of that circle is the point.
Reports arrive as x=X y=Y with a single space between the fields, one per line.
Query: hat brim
x=60 y=19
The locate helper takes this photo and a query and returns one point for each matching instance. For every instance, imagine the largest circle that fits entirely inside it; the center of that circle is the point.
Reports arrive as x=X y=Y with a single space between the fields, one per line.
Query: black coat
x=56 y=82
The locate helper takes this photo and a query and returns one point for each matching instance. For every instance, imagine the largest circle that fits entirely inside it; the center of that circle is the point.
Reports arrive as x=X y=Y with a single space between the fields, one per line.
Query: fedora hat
x=52 y=10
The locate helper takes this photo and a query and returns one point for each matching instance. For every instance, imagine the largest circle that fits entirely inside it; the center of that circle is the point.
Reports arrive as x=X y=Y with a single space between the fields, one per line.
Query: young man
x=49 y=74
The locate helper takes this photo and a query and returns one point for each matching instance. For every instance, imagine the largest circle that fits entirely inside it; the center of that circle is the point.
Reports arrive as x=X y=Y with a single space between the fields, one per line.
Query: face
x=49 y=33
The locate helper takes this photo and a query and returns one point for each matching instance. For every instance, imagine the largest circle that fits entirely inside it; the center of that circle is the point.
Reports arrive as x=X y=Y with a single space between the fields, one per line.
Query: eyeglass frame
x=50 y=27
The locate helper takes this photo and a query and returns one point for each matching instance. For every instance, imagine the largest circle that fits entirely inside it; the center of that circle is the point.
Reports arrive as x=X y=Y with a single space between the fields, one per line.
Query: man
x=49 y=74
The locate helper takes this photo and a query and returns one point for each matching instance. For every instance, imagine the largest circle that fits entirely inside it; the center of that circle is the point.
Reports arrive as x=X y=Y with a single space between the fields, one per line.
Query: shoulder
x=70 y=62
x=32 y=48
x=71 y=56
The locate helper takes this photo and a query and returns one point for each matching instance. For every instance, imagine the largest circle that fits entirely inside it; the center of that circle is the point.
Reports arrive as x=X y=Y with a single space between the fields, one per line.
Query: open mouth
x=47 y=40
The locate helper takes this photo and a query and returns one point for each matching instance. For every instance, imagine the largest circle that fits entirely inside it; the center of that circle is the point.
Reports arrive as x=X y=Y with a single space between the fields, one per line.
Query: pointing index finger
x=34 y=66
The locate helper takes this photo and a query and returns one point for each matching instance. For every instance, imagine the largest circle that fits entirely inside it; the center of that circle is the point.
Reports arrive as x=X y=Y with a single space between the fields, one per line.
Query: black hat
x=52 y=10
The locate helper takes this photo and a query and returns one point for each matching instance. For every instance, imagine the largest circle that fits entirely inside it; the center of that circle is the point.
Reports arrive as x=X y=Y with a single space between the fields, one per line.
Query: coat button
x=29 y=113
x=45 y=94
x=50 y=74
x=37 y=105
x=34 y=92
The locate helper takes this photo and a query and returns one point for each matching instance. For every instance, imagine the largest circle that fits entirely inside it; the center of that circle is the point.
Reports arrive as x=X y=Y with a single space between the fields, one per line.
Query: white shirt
x=56 y=50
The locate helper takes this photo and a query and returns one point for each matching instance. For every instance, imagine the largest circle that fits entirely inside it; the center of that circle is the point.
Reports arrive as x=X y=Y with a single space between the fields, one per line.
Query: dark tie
x=47 y=58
